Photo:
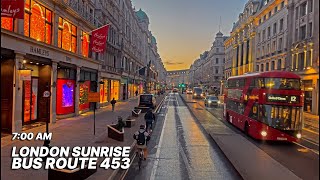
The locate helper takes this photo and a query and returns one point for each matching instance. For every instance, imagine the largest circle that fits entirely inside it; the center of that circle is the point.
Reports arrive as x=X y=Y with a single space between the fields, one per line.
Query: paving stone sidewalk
x=75 y=131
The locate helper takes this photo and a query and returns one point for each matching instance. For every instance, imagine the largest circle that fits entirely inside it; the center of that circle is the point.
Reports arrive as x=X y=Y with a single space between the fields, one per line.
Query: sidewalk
x=75 y=131
x=311 y=122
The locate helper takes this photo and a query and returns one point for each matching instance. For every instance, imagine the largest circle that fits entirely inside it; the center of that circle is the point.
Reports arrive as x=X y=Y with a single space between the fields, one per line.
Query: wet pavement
x=180 y=149
x=302 y=159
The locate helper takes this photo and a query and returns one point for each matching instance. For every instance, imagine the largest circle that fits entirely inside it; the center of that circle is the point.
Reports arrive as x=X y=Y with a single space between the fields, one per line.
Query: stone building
x=52 y=43
x=174 y=78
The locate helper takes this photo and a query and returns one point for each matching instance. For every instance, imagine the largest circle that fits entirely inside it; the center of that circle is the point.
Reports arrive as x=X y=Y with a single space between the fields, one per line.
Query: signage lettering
x=12 y=8
x=283 y=98
x=99 y=38
x=277 y=98
x=39 y=51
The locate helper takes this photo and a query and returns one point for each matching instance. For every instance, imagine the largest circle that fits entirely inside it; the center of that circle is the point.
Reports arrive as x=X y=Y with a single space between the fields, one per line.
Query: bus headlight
x=219 y=102
x=264 y=133
x=195 y=94
x=298 y=135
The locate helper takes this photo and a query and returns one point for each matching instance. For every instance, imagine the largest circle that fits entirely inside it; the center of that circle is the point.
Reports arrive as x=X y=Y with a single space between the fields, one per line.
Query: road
x=302 y=158
x=180 y=148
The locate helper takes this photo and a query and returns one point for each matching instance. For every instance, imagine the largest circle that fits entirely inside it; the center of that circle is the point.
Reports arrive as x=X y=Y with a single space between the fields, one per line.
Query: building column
x=239 y=58
x=297 y=61
x=311 y=56
x=76 y=99
x=251 y=55
x=244 y=56
x=234 y=61
x=305 y=59
x=55 y=30
x=292 y=62
x=17 y=95
x=53 y=98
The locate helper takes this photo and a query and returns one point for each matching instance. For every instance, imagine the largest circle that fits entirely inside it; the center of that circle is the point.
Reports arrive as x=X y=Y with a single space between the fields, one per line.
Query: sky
x=186 y=28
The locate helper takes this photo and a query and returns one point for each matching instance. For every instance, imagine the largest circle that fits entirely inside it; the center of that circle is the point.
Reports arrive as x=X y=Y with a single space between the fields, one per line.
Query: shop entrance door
x=44 y=85
x=30 y=103
x=7 y=71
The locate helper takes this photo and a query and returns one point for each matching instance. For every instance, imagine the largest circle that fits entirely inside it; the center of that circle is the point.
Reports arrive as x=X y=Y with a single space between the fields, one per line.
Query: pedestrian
x=113 y=103
x=136 y=93
x=149 y=117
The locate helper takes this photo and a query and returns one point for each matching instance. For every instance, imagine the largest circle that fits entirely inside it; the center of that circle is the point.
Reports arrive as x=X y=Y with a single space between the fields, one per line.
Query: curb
x=209 y=135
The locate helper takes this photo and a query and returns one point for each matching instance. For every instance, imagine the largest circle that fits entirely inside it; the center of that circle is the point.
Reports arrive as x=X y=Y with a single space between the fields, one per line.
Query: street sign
x=46 y=94
x=94 y=97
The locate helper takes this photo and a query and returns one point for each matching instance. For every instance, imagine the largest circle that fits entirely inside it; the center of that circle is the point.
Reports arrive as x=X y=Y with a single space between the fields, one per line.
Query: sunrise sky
x=186 y=28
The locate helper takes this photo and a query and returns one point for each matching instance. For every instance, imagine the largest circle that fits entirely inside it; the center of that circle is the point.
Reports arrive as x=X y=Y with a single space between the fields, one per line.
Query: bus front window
x=281 y=117
x=282 y=83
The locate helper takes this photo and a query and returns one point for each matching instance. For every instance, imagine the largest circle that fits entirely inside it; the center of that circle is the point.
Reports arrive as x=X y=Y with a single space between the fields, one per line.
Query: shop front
x=35 y=106
x=7 y=74
x=124 y=88
x=114 y=89
x=87 y=83
x=104 y=91
x=66 y=81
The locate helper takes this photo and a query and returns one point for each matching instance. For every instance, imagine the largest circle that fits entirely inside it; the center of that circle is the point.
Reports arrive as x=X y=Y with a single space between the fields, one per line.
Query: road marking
x=315 y=151
x=314 y=143
x=156 y=162
x=310 y=131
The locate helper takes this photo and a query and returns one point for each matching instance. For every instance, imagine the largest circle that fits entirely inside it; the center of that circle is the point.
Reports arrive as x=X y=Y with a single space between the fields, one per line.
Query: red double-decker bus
x=266 y=105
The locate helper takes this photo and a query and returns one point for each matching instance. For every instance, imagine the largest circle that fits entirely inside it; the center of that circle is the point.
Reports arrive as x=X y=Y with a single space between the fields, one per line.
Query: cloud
x=173 y=63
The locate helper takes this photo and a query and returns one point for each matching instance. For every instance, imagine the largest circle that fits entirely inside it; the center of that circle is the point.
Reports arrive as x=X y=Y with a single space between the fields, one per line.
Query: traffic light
x=179 y=85
x=183 y=85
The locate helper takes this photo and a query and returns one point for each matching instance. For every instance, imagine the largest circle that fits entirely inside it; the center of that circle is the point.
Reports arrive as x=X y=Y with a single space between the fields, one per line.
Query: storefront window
x=104 y=91
x=30 y=100
x=7 y=23
x=85 y=44
x=37 y=22
x=67 y=35
x=65 y=96
x=114 y=89
x=84 y=91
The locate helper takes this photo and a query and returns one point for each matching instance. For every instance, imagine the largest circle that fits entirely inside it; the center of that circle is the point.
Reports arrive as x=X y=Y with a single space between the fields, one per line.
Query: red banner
x=12 y=8
x=99 y=39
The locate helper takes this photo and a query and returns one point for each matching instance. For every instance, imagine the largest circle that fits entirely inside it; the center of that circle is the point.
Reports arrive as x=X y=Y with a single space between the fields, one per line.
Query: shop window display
x=114 y=89
x=85 y=44
x=37 y=22
x=67 y=35
x=30 y=100
x=104 y=92
x=84 y=91
x=7 y=23
x=65 y=96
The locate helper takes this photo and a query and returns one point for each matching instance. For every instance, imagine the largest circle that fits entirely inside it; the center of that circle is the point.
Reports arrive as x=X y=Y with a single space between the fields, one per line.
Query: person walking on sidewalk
x=113 y=103
x=136 y=93
x=149 y=117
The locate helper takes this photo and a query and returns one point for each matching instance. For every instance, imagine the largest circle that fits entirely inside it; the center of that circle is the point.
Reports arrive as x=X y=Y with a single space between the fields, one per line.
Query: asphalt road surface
x=180 y=149
x=302 y=158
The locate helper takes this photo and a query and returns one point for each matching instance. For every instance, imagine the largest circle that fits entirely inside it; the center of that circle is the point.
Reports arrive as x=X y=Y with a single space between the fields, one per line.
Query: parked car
x=189 y=91
x=211 y=101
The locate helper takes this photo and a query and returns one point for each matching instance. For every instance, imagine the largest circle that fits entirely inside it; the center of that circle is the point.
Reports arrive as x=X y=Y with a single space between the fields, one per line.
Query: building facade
x=303 y=43
x=52 y=44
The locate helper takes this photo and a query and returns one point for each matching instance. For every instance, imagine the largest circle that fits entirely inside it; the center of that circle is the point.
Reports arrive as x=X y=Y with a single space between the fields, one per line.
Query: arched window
x=85 y=44
x=37 y=22
x=67 y=35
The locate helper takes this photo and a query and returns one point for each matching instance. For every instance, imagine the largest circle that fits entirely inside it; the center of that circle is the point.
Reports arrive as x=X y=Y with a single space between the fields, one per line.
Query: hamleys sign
x=12 y=8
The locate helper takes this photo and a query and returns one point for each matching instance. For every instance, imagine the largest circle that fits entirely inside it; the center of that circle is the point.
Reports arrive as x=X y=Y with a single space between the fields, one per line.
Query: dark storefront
x=7 y=72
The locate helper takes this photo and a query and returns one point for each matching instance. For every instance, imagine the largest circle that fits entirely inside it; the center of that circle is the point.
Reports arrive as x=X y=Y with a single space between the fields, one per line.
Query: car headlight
x=209 y=102
x=195 y=94
x=219 y=102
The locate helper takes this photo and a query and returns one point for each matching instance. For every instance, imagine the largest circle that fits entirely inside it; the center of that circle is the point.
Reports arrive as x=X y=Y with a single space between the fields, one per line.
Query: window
x=267 y=66
x=280 y=44
x=310 y=29
x=37 y=22
x=259 y=37
x=263 y=34
x=273 y=46
x=217 y=49
x=67 y=35
x=262 y=67
x=85 y=44
x=272 y=65
x=217 y=60
x=269 y=31
x=310 y=2
x=303 y=9
x=269 y=15
x=254 y=111
x=7 y=23
x=268 y=50
x=260 y=21
x=262 y=51
x=217 y=71
x=282 y=4
x=279 y=64
x=281 y=25
x=274 y=28
x=303 y=32
x=257 y=68
x=296 y=34
x=276 y=9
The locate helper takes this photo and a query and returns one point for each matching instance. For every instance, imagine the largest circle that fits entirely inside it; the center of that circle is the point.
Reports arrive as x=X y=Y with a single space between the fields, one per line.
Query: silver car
x=211 y=101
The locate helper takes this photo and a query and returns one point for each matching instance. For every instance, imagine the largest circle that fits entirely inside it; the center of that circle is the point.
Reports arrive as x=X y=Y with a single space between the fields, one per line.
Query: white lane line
x=314 y=143
x=315 y=151
x=310 y=131
x=156 y=162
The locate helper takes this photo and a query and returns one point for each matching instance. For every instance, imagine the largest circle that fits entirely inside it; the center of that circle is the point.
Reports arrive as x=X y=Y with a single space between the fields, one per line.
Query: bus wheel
x=246 y=128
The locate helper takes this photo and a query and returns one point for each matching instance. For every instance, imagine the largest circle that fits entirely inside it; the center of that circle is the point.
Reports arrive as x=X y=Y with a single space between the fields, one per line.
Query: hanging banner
x=99 y=39
x=12 y=8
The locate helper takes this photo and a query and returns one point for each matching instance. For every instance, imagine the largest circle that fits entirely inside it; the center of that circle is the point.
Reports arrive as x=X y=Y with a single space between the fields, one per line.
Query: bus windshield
x=281 y=117
x=282 y=83
x=197 y=90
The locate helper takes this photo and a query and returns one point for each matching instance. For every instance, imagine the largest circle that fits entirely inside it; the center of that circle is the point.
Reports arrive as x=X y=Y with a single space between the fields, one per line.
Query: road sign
x=46 y=94
x=94 y=97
